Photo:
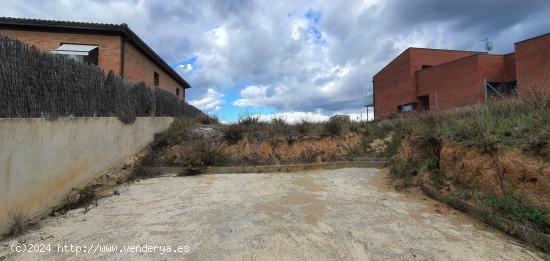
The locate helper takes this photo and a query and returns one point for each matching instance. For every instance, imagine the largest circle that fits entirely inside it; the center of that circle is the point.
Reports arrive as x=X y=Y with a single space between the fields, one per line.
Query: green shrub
x=177 y=133
x=463 y=194
x=207 y=119
x=393 y=146
x=278 y=121
x=510 y=208
x=304 y=127
x=205 y=152
x=334 y=127
x=249 y=119
x=233 y=133
x=436 y=175
x=404 y=168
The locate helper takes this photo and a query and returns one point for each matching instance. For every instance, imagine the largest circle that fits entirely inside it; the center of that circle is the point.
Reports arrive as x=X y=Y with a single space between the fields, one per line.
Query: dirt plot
x=346 y=214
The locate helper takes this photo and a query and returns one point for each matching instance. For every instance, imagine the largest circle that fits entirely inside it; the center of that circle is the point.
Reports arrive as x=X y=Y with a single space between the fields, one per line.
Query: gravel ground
x=346 y=214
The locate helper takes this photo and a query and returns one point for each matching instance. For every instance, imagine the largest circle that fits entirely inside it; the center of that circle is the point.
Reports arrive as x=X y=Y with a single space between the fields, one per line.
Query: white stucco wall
x=41 y=161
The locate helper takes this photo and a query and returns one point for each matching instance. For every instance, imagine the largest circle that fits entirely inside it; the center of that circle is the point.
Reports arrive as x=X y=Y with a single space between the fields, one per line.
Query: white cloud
x=252 y=96
x=272 y=46
x=218 y=36
x=297 y=116
x=210 y=102
x=185 y=68
x=254 y=91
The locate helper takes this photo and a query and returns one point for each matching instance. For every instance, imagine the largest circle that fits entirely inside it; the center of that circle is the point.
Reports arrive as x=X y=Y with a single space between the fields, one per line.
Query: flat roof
x=96 y=28
x=465 y=57
x=427 y=49
x=533 y=38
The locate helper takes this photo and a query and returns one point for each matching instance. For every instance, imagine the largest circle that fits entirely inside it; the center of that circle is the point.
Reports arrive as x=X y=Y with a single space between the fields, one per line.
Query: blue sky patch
x=317 y=37
x=191 y=61
x=313 y=16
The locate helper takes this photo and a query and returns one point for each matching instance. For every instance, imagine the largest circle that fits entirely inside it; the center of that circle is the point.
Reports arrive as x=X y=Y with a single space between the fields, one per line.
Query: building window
x=85 y=53
x=407 y=107
x=423 y=103
x=178 y=92
x=156 y=79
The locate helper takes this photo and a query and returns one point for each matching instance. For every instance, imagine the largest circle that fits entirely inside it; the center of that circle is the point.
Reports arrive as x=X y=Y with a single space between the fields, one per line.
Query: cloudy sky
x=301 y=59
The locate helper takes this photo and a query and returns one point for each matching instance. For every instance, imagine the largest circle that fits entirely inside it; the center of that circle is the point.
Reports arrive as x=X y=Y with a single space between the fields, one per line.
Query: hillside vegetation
x=197 y=143
x=496 y=156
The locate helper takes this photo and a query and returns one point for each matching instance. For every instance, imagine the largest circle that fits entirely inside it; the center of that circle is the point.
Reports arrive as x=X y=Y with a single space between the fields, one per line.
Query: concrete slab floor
x=345 y=214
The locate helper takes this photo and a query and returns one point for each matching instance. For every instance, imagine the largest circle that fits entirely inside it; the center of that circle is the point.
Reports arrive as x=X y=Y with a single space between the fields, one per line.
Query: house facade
x=422 y=79
x=113 y=47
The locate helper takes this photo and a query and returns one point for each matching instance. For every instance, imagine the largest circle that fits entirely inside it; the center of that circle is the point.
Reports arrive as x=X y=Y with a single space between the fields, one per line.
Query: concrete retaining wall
x=41 y=161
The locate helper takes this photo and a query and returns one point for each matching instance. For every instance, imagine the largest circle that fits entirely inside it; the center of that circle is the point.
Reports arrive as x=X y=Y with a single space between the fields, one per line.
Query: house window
x=407 y=107
x=85 y=53
x=423 y=103
x=156 y=79
x=178 y=92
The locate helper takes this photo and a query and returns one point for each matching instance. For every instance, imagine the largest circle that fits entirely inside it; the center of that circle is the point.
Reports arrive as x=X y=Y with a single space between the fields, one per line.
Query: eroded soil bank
x=346 y=214
x=505 y=170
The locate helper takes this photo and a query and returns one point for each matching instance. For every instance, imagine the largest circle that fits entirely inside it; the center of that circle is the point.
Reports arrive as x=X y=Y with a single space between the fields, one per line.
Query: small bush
x=19 y=223
x=196 y=155
x=304 y=127
x=510 y=208
x=436 y=175
x=78 y=198
x=334 y=127
x=249 y=119
x=233 y=133
x=206 y=153
x=463 y=194
x=177 y=133
x=309 y=155
x=278 y=127
x=278 y=121
x=393 y=146
x=207 y=119
x=404 y=168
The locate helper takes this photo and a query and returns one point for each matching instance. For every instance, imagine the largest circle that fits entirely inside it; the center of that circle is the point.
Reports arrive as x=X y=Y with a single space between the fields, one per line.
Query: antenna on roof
x=488 y=45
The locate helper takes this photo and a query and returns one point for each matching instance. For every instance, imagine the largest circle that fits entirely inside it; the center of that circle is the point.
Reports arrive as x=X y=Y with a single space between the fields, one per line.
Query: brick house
x=113 y=47
x=430 y=79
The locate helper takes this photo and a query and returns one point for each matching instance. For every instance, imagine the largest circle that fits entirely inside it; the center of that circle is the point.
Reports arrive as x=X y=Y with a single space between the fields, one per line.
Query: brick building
x=113 y=47
x=430 y=79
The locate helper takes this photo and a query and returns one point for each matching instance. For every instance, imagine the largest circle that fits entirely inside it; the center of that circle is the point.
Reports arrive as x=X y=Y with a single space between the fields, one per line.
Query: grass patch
x=83 y=197
x=19 y=223
x=463 y=194
x=178 y=133
x=521 y=120
x=404 y=168
x=512 y=209
x=207 y=119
